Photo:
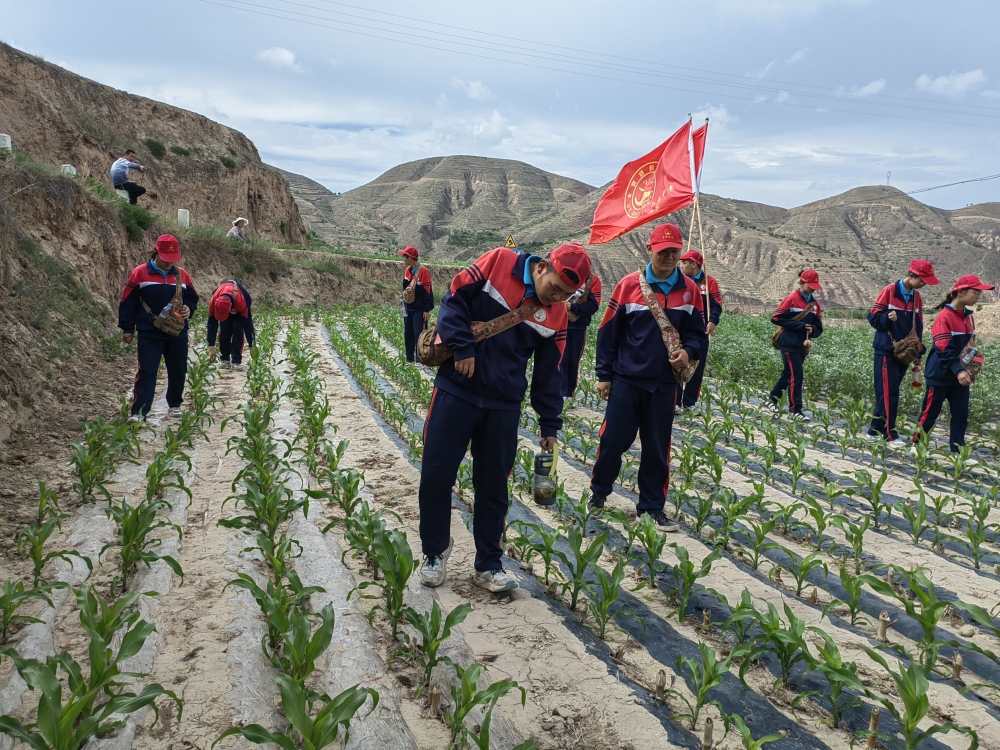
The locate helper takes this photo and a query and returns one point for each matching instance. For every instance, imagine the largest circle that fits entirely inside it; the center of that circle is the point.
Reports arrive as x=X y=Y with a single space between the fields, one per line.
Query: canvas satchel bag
x=909 y=348
x=776 y=336
x=671 y=339
x=172 y=324
x=410 y=293
x=972 y=359
x=431 y=352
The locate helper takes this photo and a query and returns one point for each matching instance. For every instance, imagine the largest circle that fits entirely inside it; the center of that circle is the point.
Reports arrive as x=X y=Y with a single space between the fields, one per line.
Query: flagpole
x=701 y=235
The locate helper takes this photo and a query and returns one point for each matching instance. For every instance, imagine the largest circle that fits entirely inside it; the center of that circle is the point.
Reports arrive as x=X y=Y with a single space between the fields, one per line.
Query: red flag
x=649 y=187
x=698 y=138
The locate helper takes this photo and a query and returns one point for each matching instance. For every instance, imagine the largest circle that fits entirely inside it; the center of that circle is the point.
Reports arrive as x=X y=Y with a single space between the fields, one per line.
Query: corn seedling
x=977 y=529
x=732 y=509
x=786 y=643
x=652 y=541
x=911 y=683
x=161 y=476
x=821 y=518
x=795 y=457
x=543 y=543
x=749 y=743
x=434 y=629
x=758 y=542
x=275 y=602
x=854 y=533
x=839 y=677
x=686 y=575
x=581 y=560
x=395 y=559
x=701 y=676
x=603 y=595
x=874 y=497
x=31 y=542
x=802 y=567
x=740 y=627
x=300 y=646
x=330 y=726
x=135 y=524
x=269 y=508
x=465 y=697
x=15 y=595
x=915 y=514
x=854 y=586
x=630 y=529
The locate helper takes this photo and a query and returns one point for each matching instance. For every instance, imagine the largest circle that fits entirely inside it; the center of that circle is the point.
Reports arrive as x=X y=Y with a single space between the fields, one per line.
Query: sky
x=806 y=98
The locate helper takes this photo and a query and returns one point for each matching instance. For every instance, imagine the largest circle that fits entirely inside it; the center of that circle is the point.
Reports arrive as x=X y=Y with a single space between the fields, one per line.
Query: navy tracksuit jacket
x=951 y=331
x=486 y=408
x=631 y=354
x=576 y=336
x=423 y=301
x=889 y=371
x=236 y=325
x=149 y=284
x=691 y=390
x=792 y=343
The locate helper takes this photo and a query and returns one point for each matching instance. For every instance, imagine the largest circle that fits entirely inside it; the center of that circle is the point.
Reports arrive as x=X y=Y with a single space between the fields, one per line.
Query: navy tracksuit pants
x=450 y=426
x=231 y=339
x=152 y=346
x=413 y=326
x=791 y=379
x=889 y=374
x=691 y=390
x=957 y=397
x=632 y=410
x=576 y=339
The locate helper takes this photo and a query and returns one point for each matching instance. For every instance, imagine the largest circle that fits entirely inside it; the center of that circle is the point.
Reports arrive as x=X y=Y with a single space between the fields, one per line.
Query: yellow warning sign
x=510 y=241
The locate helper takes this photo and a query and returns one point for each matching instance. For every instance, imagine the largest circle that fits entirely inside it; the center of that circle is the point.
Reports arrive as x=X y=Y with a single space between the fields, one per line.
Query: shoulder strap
x=666 y=329
x=509 y=319
x=809 y=309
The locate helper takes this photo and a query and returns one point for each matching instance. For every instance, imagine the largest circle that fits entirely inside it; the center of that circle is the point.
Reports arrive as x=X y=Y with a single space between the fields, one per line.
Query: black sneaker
x=597 y=503
x=664 y=522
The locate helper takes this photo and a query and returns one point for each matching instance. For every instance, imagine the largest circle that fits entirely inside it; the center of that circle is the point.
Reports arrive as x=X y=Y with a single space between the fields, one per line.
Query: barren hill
x=56 y=116
x=455 y=207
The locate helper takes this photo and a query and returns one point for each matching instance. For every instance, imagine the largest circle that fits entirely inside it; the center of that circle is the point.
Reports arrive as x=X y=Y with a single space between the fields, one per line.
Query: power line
x=950 y=184
x=248 y=7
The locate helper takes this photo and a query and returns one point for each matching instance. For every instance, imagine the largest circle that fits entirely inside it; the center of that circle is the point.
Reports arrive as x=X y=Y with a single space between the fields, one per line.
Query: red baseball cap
x=223 y=306
x=811 y=278
x=168 y=248
x=695 y=256
x=409 y=251
x=925 y=271
x=971 y=282
x=572 y=264
x=665 y=236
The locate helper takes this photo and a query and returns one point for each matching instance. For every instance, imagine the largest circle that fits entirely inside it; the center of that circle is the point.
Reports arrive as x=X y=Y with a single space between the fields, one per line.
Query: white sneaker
x=495 y=581
x=135 y=419
x=174 y=411
x=225 y=365
x=236 y=366
x=434 y=569
x=899 y=443
x=771 y=406
x=802 y=417
x=871 y=437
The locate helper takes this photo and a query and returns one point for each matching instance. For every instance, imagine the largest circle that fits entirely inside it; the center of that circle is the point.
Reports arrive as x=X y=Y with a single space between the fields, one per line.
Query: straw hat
x=239 y=219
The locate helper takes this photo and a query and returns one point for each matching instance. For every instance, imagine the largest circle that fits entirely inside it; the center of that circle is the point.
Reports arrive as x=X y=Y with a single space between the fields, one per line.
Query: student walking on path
x=149 y=290
x=580 y=309
x=230 y=317
x=691 y=264
x=898 y=319
x=417 y=299
x=120 y=176
x=954 y=362
x=801 y=321
x=636 y=371
x=477 y=395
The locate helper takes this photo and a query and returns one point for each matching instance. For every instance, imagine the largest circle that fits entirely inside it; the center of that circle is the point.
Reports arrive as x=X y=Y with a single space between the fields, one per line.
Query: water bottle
x=545 y=478
x=969 y=355
x=917 y=381
x=165 y=312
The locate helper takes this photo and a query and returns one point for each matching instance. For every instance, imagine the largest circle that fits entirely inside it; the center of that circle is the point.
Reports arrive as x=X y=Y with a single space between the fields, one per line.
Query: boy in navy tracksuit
x=947 y=377
x=580 y=309
x=149 y=288
x=636 y=375
x=230 y=317
x=796 y=338
x=418 y=311
x=897 y=311
x=691 y=264
x=478 y=394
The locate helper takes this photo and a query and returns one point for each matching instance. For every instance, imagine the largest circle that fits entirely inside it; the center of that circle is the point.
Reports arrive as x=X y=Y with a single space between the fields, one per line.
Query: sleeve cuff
x=464 y=352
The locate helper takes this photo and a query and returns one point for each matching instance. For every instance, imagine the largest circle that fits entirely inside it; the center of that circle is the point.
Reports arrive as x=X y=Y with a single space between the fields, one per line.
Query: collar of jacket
x=153 y=268
x=522 y=271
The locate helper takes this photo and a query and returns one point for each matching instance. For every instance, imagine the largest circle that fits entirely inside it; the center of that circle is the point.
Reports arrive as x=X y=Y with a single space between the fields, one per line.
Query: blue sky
x=807 y=98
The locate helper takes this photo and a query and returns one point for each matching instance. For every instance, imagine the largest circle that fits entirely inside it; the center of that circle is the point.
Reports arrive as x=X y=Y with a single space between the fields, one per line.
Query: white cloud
x=797 y=57
x=718 y=117
x=279 y=57
x=954 y=84
x=492 y=131
x=761 y=72
x=476 y=90
x=990 y=94
x=858 y=91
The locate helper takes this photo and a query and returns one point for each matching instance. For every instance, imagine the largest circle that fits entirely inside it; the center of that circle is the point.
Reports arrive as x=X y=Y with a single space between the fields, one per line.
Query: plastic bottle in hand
x=917 y=381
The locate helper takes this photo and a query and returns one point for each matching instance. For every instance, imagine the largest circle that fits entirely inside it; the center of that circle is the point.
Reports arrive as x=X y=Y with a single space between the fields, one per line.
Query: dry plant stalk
x=889 y=575
x=435 y=700
x=706 y=618
x=956 y=667
x=661 y=685
x=706 y=737
x=813 y=596
x=883 y=627
x=872 y=727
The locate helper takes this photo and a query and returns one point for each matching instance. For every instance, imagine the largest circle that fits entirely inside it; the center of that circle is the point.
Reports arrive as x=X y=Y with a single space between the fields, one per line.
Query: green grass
x=156 y=148
x=227 y=162
x=180 y=151
x=471 y=237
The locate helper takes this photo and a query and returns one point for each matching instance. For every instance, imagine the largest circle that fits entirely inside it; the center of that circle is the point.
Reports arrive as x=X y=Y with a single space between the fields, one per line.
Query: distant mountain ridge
x=859 y=240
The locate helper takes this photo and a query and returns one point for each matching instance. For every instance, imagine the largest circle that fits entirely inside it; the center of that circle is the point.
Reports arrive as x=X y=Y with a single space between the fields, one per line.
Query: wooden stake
x=873 y=727
x=706 y=737
x=883 y=627
x=956 y=667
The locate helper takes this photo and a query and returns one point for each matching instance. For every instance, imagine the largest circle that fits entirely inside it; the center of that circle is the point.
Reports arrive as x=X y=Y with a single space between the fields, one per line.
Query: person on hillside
x=230 y=317
x=800 y=316
x=238 y=229
x=580 y=308
x=417 y=299
x=950 y=367
x=120 y=176
x=691 y=265
x=477 y=395
x=635 y=372
x=149 y=289
x=897 y=312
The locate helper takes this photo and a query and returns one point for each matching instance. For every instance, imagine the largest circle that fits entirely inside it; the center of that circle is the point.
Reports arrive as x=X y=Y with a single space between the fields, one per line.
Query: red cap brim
x=931 y=280
x=657 y=247
x=814 y=285
x=170 y=256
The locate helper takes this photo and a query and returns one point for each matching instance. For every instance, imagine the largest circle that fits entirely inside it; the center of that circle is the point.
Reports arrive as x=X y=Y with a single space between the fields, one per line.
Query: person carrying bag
x=799 y=320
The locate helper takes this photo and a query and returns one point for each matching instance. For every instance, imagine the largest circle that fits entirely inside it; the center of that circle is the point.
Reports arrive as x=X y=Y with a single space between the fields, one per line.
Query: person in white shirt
x=120 y=176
